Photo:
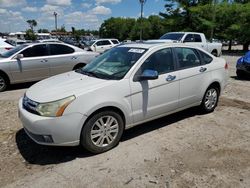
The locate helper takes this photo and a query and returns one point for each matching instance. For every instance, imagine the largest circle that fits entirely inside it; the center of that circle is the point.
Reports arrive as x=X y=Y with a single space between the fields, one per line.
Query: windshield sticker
x=134 y=50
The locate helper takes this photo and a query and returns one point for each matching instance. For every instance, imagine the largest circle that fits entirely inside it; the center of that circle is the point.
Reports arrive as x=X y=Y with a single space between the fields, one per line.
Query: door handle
x=74 y=57
x=203 y=69
x=170 y=78
x=44 y=61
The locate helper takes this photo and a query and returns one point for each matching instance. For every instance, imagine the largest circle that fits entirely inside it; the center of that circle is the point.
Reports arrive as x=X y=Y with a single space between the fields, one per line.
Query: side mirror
x=148 y=74
x=19 y=56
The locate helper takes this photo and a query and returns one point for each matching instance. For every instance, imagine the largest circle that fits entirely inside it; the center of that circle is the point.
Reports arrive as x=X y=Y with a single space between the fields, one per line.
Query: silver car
x=33 y=62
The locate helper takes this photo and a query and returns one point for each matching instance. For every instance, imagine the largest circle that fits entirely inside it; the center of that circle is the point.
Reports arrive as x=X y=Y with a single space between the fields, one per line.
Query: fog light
x=48 y=138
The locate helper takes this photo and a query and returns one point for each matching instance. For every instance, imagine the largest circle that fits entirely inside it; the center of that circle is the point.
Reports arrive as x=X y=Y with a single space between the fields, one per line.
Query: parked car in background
x=33 y=62
x=17 y=42
x=4 y=46
x=195 y=39
x=127 y=85
x=243 y=66
x=101 y=45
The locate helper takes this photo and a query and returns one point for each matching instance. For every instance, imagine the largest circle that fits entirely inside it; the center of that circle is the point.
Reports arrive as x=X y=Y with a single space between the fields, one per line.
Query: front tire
x=240 y=74
x=3 y=83
x=210 y=99
x=102 y=132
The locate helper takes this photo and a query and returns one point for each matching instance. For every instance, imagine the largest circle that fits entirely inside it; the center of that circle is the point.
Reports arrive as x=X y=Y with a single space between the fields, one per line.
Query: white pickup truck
x=192 y=38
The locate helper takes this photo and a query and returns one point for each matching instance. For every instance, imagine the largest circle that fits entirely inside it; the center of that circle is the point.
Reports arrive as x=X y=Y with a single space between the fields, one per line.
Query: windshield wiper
x=88 y=73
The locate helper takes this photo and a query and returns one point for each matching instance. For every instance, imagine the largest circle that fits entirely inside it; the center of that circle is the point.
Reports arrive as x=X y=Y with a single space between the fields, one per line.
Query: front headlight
x=55 y=108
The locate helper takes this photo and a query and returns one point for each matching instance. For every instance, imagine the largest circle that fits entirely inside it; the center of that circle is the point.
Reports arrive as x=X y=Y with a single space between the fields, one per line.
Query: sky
x=81 y=14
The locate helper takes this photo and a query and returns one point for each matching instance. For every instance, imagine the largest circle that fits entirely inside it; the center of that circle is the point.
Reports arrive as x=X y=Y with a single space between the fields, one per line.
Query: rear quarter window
x=205 y=57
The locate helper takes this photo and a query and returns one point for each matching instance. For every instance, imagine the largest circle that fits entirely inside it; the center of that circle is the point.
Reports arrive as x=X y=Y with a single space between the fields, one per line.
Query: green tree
x=43 y=31
x=32 y=24
x=30 y=35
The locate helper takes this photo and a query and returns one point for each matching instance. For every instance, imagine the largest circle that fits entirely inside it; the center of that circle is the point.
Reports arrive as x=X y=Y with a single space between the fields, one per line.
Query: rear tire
x=79 y=66
x=102 y=132
x=214 y=52
x=3 y=83
x=210 y=99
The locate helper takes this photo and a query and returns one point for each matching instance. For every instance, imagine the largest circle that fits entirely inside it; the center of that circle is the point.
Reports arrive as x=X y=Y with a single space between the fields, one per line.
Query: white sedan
x=126 y=86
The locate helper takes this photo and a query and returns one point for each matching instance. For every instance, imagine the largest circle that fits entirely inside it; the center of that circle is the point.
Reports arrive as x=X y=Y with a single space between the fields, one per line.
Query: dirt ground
x=186 y=149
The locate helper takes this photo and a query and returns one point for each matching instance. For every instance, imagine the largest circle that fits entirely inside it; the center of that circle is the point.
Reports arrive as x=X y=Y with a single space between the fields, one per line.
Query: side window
x=115 y=41
x=99 y=43
x=106 y=42
x=206 y=58
x=35 y=51
x=57 y=49
x=162 y=61
x=189 y=38
x=187 y=57
x=197 y=38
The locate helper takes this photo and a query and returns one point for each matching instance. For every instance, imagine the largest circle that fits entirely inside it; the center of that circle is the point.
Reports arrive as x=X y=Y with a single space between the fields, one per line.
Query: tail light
x=8 y=48
x=226 y=66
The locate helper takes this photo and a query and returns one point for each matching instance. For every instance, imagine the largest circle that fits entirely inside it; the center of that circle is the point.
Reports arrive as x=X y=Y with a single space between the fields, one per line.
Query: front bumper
x=58 y=131
x=244 y=67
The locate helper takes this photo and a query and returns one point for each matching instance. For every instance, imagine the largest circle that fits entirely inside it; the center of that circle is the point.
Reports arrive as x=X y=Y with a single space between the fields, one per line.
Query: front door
x=33 y=66
x=151 y=98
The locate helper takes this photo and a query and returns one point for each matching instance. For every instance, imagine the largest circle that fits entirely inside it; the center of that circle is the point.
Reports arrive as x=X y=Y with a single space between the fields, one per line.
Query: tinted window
x=172 y=36
x=197 y=38
x=189 y=38
x=57 y=49
x=206 y=58
x=161 y=61
x=103 y=42
x=35 y=51
x=115 y=41
x=187 y=57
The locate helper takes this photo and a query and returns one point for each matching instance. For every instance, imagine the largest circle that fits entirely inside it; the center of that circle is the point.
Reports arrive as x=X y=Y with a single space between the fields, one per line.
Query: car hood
x=247 y=57
x=64 y=85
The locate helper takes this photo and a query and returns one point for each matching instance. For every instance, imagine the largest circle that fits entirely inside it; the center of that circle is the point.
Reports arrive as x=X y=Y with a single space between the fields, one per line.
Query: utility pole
x=142 y=4
x=214 y=2
x=55 y=14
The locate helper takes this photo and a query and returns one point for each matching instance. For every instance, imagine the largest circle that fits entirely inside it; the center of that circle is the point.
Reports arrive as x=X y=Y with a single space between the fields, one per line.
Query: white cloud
x=81 y=17
x=30 y=9
x=101 y=10
x=50 y=9
x=98 y=2
x=86 y=5
x=59 y=2
x=12 y=3
x=3 y=11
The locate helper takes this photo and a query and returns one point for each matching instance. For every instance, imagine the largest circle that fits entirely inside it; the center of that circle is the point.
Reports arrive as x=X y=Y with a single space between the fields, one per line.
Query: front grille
x=30 y=105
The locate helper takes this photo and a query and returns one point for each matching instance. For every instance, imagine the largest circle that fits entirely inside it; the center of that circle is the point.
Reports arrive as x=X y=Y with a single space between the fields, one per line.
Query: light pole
x=142 y=4
x=55 y=14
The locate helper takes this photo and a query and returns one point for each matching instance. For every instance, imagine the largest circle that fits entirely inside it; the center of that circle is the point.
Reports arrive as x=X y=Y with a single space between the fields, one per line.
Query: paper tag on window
x=134 y=50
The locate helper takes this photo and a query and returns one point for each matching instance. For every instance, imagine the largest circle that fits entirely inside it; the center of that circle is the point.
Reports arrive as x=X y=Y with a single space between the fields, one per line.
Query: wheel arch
x=5 y=75
x=80 y=64
x=215 y=84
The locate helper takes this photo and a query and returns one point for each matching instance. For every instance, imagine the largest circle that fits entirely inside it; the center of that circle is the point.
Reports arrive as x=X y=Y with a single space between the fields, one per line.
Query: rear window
x=58 y=49
x=115 y=41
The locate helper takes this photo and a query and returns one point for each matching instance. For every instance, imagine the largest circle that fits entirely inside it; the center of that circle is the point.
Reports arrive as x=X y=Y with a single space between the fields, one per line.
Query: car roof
x=149 y=44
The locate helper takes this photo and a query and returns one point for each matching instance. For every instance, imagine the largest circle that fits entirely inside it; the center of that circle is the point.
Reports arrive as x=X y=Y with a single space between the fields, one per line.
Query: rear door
x=151 y=98
x=61 y=59
x=33 y=66
x=194 y=75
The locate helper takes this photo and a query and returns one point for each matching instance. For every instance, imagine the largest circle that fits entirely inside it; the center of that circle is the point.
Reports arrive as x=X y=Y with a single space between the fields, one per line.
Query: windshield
x=172 y=36
x=113 y=64
x=13 y=51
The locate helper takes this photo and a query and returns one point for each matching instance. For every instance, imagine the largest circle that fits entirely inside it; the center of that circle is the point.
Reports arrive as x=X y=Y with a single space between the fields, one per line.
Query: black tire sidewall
x=5 y=82
x=203 y=106
x=85 y=134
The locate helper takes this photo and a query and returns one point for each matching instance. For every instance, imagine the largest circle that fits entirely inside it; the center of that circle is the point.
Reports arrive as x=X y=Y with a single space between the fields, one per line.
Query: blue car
x=243 y=66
